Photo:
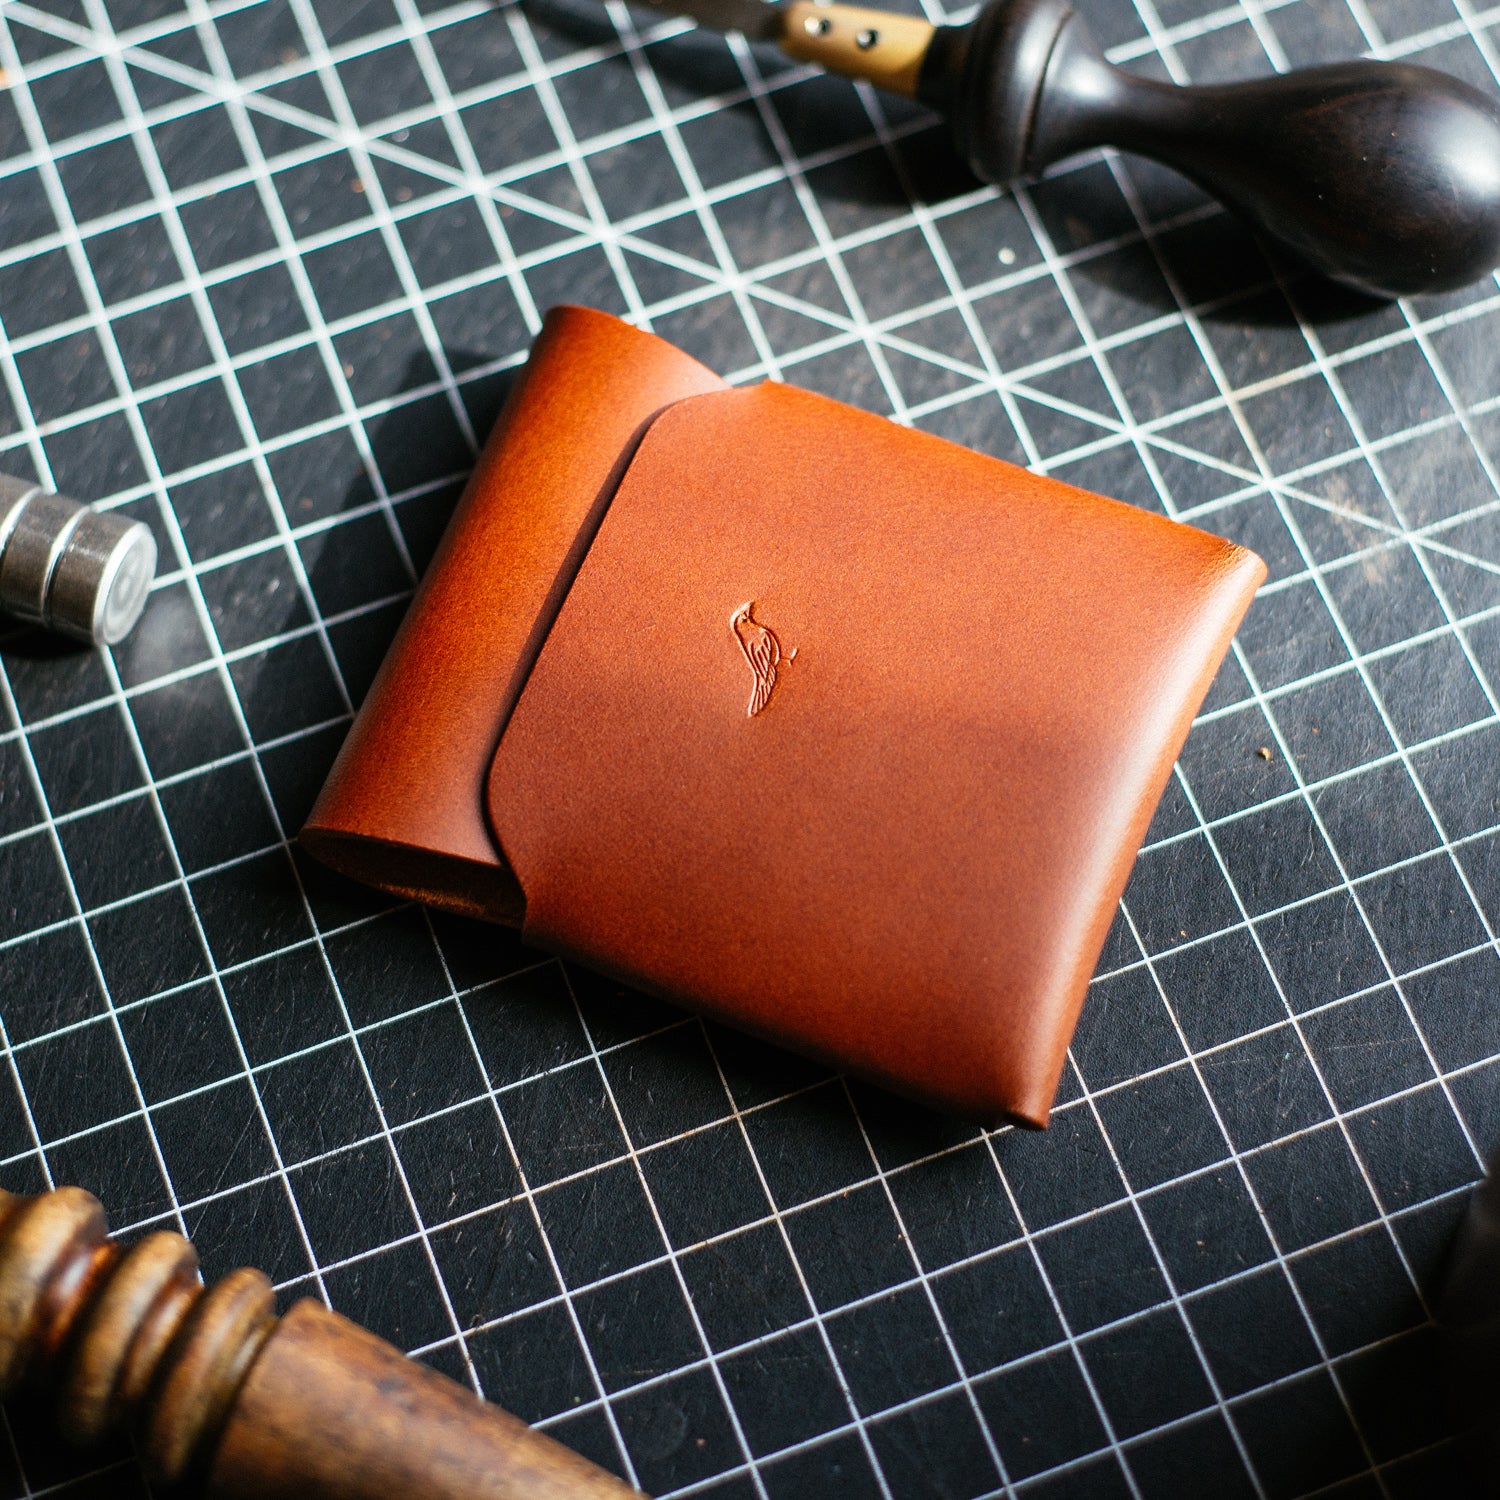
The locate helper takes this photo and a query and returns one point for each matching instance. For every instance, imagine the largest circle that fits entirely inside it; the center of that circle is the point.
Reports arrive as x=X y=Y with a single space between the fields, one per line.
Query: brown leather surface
x=403 y=805
x=885 y=813
x=907 y=861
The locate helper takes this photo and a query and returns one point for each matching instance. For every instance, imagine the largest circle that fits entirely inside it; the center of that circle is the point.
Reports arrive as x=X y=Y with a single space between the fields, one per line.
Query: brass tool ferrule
x=878 y=45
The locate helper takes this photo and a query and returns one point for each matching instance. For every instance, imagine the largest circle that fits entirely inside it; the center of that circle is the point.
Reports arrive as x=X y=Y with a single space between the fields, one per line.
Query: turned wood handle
x=1383 y=175
x=223 y=1395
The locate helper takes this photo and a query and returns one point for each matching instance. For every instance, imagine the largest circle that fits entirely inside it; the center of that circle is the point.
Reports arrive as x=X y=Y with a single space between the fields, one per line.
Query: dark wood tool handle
x=1384 y=176
x=223 y=1395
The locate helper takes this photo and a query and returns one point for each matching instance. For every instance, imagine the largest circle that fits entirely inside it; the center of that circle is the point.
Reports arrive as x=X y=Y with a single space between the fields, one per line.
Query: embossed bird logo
x=762 y=651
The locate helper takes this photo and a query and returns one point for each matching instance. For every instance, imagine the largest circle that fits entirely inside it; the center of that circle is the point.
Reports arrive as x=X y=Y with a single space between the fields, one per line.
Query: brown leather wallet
x=819 y=725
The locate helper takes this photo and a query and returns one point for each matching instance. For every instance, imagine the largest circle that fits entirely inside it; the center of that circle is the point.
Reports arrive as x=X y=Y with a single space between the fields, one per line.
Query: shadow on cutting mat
x=356 y=569
x=32 y=643
x=359 y=571
x=1197 y=246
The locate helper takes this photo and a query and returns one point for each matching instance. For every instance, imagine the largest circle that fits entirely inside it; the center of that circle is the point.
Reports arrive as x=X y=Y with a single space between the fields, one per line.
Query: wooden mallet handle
x=224 y=1395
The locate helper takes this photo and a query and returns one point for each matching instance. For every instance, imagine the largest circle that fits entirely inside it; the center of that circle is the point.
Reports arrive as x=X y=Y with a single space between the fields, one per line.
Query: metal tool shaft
x=67 y=567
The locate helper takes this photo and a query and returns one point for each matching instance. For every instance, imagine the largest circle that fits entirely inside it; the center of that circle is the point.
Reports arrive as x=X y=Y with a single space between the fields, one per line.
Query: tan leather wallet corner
x=821 y=726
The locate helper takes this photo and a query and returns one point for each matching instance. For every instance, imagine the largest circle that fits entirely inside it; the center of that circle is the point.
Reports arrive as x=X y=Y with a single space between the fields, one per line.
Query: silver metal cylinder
x=69 y=568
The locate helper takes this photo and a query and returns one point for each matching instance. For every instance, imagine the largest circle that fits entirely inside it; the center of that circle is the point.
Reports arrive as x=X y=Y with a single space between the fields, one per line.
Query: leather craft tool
x=224 y=1397
x=1382 y=175
x=67 y=567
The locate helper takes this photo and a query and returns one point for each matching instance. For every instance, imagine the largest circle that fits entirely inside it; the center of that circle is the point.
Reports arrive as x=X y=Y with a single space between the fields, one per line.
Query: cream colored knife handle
x=879 y=45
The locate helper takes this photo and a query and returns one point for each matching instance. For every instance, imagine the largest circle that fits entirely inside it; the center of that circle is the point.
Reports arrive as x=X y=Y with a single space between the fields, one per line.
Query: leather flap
x=849 y=736
x=403 y=805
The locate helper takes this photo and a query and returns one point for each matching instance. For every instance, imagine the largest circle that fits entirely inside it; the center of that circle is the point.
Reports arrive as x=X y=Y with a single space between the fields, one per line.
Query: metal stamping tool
x=67 y=567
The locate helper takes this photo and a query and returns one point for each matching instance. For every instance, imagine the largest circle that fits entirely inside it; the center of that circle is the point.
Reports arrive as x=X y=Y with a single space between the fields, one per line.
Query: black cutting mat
x=265 y=272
